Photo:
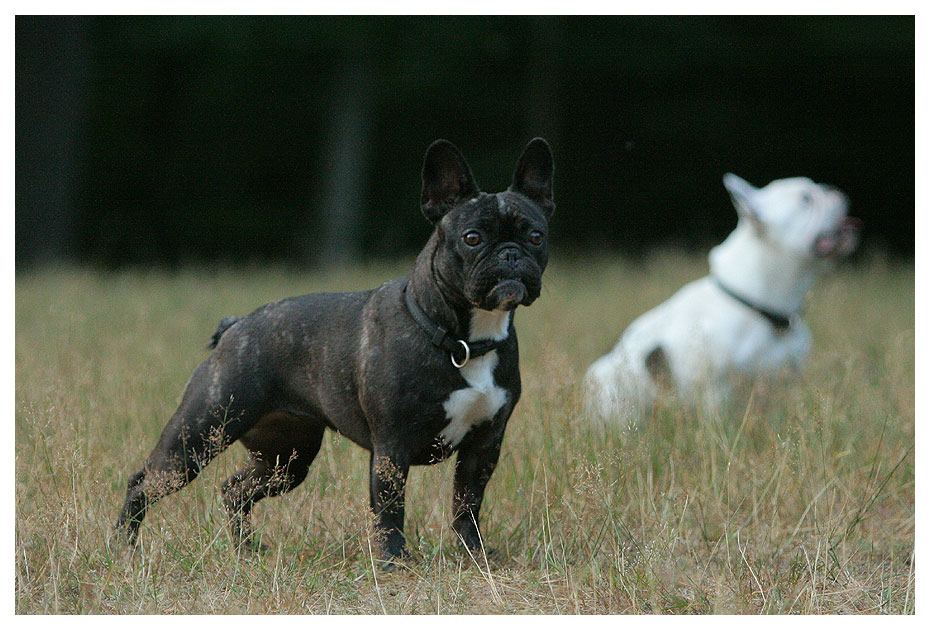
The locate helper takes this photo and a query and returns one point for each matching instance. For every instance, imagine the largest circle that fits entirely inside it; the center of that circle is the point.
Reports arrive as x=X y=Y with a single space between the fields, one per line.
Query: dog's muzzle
x=840 y=241
x=510 y=279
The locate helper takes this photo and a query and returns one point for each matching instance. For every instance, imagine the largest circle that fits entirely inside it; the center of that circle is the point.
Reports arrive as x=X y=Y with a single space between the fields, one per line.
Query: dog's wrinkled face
x=501 y=243
x=492 y=248
x=797 y=215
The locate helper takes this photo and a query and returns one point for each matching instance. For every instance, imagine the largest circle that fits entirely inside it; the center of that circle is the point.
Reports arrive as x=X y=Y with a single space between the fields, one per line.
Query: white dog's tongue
x=842 y=240
x=826 y=244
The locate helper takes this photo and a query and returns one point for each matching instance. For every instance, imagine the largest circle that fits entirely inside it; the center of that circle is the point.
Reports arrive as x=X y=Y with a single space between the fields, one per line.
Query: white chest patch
x=482 y=399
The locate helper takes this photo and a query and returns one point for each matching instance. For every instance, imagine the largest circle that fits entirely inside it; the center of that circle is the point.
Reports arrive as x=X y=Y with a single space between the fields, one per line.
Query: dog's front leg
x=473 y=468
x=388 y=482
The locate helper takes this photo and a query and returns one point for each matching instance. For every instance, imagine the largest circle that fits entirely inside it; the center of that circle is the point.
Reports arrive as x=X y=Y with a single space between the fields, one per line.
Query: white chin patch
x=489 y=325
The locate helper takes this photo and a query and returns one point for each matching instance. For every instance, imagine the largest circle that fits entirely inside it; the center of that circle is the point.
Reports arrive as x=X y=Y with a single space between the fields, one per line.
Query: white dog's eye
x=806 y=199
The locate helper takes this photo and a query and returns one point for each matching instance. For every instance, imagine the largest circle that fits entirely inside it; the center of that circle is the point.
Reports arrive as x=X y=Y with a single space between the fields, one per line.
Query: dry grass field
x=798 y=500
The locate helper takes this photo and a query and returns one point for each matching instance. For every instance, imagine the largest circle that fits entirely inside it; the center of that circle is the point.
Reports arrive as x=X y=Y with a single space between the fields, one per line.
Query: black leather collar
x=779 y=321
x=441 y=338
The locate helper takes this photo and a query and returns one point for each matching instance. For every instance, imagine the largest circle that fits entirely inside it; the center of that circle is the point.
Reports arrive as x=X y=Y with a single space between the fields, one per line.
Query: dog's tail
x=223 y=327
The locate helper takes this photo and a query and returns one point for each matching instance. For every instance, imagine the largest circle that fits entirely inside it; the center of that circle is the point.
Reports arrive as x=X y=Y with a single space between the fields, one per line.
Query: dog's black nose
x=509 y=255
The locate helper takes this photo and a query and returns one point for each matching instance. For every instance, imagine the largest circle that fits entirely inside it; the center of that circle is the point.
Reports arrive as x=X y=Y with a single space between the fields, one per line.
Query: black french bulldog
x=413 y=371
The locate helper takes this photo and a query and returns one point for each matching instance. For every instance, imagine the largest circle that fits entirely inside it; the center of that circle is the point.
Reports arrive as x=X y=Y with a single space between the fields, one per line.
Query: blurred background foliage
x=170 y=140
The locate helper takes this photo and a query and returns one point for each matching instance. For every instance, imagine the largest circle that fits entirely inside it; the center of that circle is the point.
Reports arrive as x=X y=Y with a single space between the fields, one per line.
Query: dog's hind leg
x=208 y=419
x=281 y=448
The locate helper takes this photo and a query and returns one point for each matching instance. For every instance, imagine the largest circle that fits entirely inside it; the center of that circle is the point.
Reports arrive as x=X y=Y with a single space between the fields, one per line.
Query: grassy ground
x=801 y=501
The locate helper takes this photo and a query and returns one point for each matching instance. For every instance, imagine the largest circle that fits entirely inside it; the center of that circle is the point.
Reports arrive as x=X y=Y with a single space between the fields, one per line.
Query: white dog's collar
x=779 y=321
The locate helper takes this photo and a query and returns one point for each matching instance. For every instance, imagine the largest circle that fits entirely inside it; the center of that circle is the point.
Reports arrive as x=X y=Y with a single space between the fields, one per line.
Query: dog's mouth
x=506 y=296
x=504 y=288
x=840 y=241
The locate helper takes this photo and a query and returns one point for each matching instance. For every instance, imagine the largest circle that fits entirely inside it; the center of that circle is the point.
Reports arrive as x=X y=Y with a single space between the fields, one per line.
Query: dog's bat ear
x=533 y=175
x=743 y=193
x=447 y=180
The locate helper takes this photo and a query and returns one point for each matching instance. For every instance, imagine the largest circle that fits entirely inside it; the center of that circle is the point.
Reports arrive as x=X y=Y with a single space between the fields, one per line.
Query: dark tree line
x=167 y=140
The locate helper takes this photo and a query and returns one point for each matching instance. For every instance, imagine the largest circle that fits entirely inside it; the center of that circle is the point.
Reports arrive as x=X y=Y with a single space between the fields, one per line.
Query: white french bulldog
x=744 y=318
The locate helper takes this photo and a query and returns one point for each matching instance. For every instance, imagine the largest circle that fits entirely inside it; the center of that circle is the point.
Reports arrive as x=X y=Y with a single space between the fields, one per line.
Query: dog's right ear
x=447 y=180
x=743 y=195
x=533 y=176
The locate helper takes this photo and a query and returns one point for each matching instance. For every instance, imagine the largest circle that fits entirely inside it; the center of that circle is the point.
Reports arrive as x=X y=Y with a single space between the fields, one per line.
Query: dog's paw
x=122 y=541
x=470 y=541
x=252 y=545
x=391 y=562
x=390 y=566
x=478 y=552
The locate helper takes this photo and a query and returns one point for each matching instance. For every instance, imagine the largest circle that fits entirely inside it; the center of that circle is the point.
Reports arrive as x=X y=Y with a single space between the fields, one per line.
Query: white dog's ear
x=743 y=195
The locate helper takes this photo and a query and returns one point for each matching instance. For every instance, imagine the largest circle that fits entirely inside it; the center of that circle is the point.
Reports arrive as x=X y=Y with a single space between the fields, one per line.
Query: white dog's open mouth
x=841 y=241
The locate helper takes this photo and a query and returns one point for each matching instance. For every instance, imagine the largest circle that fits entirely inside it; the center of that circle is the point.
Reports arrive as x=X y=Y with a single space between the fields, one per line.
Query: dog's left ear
x=533 y=176
x=447 y=180
x=742 y=193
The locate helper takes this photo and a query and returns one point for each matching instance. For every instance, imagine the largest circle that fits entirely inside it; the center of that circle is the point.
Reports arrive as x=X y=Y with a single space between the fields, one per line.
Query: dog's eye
x=806 y=199
x=536 y=237
x=472 y=238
